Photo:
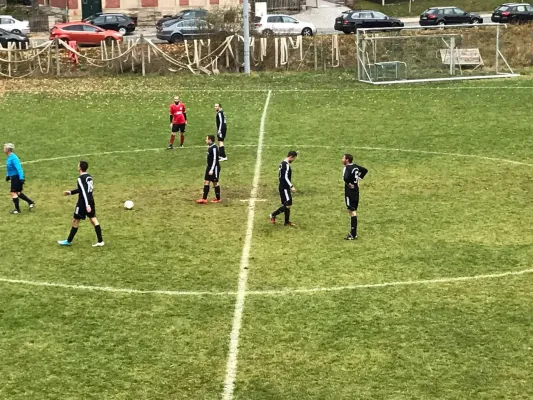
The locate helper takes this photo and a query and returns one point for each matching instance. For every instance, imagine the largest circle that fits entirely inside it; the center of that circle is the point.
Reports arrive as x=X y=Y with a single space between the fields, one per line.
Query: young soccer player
x=212 y=171
x=351 y=175
x=286 y=188
x=178 y=120
x=85 y=206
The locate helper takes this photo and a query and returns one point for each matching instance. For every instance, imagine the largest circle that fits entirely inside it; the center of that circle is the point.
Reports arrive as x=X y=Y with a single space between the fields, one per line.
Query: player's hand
x=210 y=172
x=185 y=122
x=88 y=209
x=351 y=186
x=8 y=178
x=66 y=193
x=170 y=126
x=293 y=189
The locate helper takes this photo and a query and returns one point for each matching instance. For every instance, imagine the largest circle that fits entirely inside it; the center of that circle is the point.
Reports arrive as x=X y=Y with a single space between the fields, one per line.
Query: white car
x=10 y=24
x=280 y=24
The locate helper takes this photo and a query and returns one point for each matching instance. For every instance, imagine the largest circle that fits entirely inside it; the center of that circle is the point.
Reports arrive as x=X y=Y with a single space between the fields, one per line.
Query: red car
x=83 y=33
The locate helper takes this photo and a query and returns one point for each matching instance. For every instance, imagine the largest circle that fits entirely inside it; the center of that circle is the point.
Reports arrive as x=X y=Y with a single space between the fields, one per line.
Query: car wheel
x=268 y=33
x=347 y=32
x=109 y=40
x=122 y=30
x=476 y=21
x=175 y=38
x=307 y=32
x=441 y=23
x=395 y=25
x=16 y=32
x=513 y=21
x=356 y=27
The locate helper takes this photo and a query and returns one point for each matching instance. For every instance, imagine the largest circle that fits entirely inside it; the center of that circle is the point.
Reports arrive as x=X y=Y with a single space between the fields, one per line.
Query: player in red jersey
x=178 y=120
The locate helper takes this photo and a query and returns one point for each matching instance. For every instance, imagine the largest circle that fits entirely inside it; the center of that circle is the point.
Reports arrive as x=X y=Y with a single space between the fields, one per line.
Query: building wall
x=142 y=7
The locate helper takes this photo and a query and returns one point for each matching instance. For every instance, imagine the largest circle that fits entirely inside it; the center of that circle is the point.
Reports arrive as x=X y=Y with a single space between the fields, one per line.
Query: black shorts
x=80 y=212
x=286 y=196
x=16 y=184
x=178 y=128
x=352 y=201
x=214 y=177
x=221 y=136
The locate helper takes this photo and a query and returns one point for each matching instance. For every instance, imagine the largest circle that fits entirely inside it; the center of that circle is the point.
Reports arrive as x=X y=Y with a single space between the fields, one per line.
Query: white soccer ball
x=128 y=204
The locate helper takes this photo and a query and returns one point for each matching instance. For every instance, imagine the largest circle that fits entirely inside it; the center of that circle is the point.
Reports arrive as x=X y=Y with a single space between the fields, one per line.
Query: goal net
x=417 y=54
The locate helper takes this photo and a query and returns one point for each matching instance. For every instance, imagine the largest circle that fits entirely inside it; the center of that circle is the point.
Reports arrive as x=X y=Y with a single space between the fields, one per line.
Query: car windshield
x=502 y=8
x=430 y=11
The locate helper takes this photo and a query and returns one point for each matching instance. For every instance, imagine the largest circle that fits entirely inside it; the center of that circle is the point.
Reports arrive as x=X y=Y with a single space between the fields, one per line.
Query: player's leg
x=216 y=185
x=182 y=134
x=26 y=198
x=221 y=149
x=172 y=137
x=280 y=210
x=15 y=199
x=98 y=230
x=73 y=230
x=207 y=179
x=351 y=206
x=16 y=188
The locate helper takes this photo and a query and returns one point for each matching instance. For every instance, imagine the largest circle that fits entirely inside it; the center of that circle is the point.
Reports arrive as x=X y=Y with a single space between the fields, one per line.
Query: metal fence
x=293 y=5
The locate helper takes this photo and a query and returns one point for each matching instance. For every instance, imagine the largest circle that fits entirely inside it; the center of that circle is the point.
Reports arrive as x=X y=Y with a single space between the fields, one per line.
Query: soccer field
x=433 y=301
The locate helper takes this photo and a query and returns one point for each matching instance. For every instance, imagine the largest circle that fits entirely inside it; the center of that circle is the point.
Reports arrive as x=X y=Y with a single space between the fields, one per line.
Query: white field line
x=389 y=284
x=285 y=146
x=265 y=90
x=231 y=366
x=275 y=292
x=115 y=290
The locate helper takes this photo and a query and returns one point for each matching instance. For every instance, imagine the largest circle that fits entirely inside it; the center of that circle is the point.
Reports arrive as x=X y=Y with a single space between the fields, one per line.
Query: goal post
x=430 y=54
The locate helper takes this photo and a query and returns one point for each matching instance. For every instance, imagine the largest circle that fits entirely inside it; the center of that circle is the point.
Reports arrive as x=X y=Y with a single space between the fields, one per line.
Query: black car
x=184 y=14
x=513 y=13
x=8 y=37
x=113 y=21
x=349 y=22
x=448 y=16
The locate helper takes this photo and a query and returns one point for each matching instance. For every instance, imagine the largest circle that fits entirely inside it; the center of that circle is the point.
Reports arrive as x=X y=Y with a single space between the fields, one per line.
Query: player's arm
x=185 y=113
x=285 y=172
x=18 y=167
x=171 y=115
x=219 y=123
x=362 y=171
x=214 y=159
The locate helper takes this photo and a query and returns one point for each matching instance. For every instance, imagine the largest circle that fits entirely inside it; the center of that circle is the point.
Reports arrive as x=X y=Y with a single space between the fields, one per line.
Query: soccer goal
x=430 y=54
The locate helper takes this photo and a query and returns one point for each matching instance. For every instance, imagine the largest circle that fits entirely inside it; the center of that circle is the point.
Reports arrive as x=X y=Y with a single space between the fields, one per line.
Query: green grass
x=423 y=215
x=400 y=8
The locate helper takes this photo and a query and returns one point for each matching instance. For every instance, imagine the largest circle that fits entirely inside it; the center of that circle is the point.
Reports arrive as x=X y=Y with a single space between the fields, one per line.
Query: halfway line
x=231 y=367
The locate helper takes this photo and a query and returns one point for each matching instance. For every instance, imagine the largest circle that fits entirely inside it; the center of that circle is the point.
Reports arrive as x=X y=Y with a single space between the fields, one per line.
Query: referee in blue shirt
x=15 y=175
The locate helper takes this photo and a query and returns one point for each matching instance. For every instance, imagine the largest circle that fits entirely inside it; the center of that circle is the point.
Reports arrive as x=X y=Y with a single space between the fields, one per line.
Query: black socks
x=217 y=192
x=206 y=192
x=98 y=231
x=71 y=235
x=353 y=230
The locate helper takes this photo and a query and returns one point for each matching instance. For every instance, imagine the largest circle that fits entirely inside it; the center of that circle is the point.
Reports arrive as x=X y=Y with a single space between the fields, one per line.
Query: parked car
x=10 y=24
x=113 y=21
x=83 y=33
x=9 y=37
x=448 y=16
x=513 y=13
x=177 y=31
x=349 y=22
x=280 y=24
x=197 y=13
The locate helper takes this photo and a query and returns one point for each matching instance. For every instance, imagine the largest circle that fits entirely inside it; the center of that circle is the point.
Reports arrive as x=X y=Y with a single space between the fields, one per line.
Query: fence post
x=9 y=58
x=58 y=72
x=316 y=54
x=143 y=67
x=236 y=53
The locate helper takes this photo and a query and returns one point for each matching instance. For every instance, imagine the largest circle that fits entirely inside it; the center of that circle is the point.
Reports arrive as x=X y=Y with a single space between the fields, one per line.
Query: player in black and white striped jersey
x=85 y=206
x=221 y=131
x=286 y=188
x=352 y=174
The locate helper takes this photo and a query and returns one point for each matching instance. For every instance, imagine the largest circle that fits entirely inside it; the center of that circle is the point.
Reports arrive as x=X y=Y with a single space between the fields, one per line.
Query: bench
x=462 y=57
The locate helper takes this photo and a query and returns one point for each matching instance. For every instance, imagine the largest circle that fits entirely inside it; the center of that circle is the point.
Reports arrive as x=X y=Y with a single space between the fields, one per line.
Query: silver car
x=176 y=31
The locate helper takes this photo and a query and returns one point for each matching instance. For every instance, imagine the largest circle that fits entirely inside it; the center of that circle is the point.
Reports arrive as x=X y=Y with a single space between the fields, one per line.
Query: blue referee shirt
x=13 y=166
